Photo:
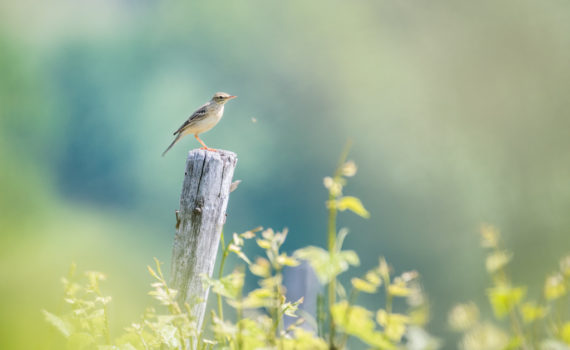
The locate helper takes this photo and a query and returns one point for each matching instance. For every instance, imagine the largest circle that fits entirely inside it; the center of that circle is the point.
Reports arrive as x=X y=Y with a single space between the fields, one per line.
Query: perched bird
x=205 y=118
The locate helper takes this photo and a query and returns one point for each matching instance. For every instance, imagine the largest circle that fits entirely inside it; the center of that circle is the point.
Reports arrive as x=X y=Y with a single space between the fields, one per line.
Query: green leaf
x=351 y=203
x=152 y=273
x=304 y=340
x=251 y=233
x=399 y=288
x=257 y=298
x=384 y=270
x=565 y=333
x=237 y=240
x=554 y=287
x=342 y=233
x=532 y=312
x=394 y=324
x=264 y=244
x=168 y=335
x=357 y=321
x=373 y=278
x=237 y=251
x=290 y=308
x=285 y=260
x=327 y=266
x=252 y=333
x=363 y=286
x=62 y=326
x=126 y=346
x=80 y=341
x=261 y=267
x=229 y=286
x=504 y=298
x=224 y=329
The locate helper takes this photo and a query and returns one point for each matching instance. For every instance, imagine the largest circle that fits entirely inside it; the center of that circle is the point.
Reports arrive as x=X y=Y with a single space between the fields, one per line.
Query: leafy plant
x=532 y=324
x=341 y=319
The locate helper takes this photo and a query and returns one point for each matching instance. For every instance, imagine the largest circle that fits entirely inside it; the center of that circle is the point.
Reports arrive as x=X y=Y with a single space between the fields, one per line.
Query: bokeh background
x=458 y=112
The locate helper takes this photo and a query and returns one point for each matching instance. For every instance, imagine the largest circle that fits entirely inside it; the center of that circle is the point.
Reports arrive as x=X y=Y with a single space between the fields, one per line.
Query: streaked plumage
x=203 y=119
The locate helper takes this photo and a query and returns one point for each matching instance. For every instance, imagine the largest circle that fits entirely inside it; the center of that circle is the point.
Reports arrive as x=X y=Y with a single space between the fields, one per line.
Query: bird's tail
x=172 y=144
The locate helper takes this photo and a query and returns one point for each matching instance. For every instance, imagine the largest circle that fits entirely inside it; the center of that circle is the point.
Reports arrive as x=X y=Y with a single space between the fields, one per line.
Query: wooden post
x=202 y=214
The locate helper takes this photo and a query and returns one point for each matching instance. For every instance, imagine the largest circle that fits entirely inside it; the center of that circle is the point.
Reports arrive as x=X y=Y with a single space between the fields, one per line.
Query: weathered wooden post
x=202 y=214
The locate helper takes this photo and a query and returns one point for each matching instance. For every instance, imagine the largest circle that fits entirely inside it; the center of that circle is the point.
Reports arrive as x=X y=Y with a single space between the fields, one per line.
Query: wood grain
x=202 y=214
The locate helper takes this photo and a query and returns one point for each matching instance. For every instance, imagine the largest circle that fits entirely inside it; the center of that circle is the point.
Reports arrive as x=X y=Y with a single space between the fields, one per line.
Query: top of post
x=217 y=154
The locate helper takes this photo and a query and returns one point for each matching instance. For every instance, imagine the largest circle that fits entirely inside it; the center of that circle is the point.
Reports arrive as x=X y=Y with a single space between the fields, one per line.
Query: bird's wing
x=198 y=115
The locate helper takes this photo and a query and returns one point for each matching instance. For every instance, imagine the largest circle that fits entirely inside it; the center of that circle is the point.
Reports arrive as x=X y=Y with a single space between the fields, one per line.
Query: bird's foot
x=209 y=149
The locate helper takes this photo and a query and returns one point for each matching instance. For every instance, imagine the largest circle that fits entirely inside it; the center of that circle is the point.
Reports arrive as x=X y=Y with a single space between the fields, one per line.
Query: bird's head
x=222 y=97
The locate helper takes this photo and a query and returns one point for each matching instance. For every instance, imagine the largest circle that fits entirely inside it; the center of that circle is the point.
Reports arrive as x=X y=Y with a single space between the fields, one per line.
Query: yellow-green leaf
x=326 y=266
x=531 y=312
x=263 y=243
x=285 y=260
x=62 y=326
x=373 y=278
x=565 y=333
x=504 y=298
x=554 y=287
x=363 y=285
x=394 y=324
x=353 y=204
x=399 y=289
x=357 y=321
x=261 y=267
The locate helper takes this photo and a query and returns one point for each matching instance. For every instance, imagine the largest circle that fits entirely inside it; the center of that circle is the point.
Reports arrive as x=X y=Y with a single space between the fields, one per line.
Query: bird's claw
x=209 y=149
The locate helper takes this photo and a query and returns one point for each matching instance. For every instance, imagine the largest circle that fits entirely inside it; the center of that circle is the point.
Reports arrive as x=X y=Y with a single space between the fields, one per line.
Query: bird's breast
x=207 y=123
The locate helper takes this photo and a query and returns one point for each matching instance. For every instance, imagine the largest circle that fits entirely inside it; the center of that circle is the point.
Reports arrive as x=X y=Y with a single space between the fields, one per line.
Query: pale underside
x=201 y=125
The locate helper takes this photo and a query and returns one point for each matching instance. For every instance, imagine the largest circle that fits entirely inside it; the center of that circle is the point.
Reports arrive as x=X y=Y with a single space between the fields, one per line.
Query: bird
x=203 y=119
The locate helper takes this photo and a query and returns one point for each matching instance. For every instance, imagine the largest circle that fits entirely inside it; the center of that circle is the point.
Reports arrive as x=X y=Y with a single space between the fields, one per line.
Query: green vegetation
x=459 y=109
x=86 y=326
x=527 y=324
x=531 y=324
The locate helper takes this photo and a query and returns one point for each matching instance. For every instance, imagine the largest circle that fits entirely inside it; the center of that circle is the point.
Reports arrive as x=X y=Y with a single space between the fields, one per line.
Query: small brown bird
x=205 y=118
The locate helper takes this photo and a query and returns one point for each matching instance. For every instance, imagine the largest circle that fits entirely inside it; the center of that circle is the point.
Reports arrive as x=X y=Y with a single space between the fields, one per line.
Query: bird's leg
x=203 y=144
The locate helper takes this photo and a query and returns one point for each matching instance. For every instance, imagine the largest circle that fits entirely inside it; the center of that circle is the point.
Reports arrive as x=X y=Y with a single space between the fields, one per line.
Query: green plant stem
x=332 y=240
x=221 y=273
x=239 y=312
x=105 y=317
x=320 y=315
x=351 y=301
x=276 y=312
x=332 y=283
x=173 y=307
x=534 y=331
x=389 y=296
x=517 y=328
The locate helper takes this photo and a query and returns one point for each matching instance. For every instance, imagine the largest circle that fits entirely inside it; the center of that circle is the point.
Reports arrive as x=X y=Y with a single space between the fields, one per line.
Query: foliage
x=86 y=326
x=520 y=321
x=527 y=323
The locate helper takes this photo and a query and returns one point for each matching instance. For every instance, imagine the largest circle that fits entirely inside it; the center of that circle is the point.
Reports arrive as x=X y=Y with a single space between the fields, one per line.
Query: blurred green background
x=458 y=112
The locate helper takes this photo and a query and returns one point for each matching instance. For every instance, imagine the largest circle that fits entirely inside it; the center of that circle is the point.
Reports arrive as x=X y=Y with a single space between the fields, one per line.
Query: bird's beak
x=230 y=97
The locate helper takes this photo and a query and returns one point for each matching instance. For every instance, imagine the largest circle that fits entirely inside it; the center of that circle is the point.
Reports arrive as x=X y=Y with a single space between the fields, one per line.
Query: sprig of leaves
x=534 y=324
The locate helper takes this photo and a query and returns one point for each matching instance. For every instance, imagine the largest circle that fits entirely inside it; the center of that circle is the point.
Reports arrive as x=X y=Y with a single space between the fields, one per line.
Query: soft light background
x=458 y=111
